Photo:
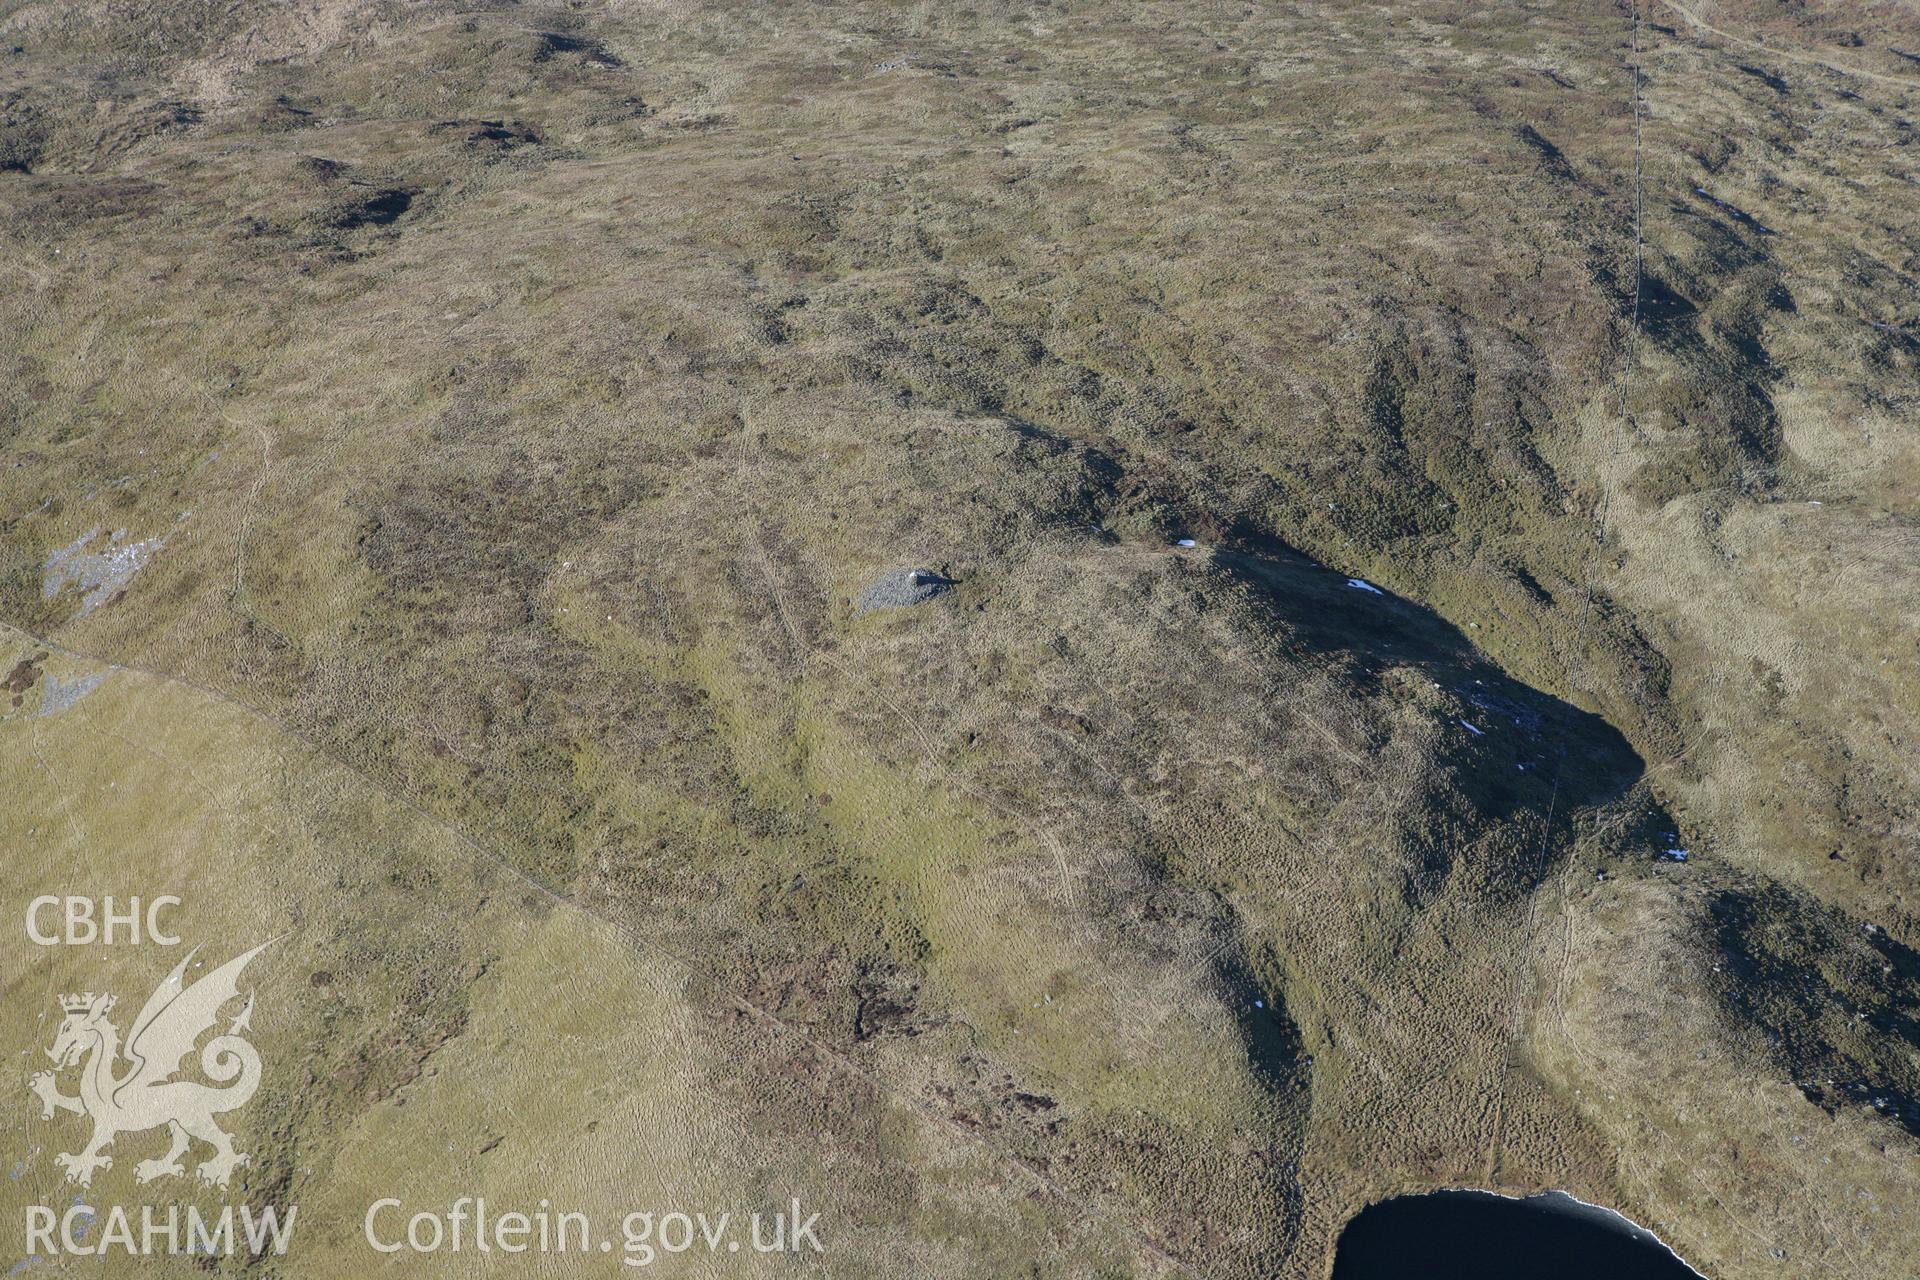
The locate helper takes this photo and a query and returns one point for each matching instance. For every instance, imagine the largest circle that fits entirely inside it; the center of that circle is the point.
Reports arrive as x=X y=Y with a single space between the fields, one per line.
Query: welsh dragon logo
x=143 y=1095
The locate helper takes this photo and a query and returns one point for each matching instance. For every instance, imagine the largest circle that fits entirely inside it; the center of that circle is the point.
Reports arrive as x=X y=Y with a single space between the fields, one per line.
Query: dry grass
x=524 y=395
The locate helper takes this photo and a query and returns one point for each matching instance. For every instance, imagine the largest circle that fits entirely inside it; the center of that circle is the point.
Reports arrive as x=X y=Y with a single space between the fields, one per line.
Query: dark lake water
x=1471 y=1235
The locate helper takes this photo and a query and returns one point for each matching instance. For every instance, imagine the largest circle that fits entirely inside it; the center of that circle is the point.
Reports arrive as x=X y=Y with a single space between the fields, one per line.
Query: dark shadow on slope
x=1275 y=1048
x=1767 y=78
x=1837 y=1000
x=1277 y=1055
x=1664 y=313
x=1520 y=749
x=552 y=44
x=380 y=208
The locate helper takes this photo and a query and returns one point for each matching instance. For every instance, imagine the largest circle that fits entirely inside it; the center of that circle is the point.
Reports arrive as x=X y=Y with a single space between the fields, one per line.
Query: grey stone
x=98 y=573
x=56 y=695
x=901 y=588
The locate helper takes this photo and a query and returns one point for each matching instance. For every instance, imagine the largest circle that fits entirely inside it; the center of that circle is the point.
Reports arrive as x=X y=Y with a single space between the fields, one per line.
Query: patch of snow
x=1361 y=584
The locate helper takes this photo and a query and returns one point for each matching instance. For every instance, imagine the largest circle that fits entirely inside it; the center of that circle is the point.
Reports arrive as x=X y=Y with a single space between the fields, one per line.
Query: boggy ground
x=512 y=401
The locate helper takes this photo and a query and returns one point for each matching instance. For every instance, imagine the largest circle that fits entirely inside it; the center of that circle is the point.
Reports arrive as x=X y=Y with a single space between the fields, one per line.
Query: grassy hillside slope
x=460 y=436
